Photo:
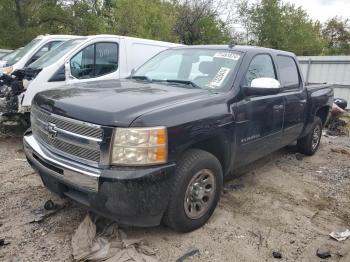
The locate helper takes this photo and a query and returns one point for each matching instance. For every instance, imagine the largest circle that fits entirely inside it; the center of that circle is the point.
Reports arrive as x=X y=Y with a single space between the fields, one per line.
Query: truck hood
x=114 y=102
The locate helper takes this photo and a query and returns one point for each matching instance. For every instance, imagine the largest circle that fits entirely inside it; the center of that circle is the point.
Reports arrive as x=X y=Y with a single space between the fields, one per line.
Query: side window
x=82 y=64
x=43 y=50
x=46 y=48
x=54 y=44
x=260 y=66
x=106 y=58
x=288 y=72
x=95 y=60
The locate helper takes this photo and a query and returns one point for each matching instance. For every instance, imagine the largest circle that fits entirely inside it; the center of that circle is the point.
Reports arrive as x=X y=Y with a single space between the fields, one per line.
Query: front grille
x=66 y=136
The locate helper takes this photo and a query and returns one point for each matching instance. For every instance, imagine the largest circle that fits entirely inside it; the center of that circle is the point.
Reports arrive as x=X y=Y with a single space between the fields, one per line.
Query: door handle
x=278 y=107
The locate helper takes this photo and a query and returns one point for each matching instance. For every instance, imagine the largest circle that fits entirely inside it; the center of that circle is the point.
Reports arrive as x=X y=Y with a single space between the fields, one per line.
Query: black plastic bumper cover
x=134 y=196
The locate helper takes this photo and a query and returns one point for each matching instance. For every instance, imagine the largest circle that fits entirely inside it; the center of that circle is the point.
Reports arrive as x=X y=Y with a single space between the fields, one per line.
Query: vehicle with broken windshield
x=156 y=147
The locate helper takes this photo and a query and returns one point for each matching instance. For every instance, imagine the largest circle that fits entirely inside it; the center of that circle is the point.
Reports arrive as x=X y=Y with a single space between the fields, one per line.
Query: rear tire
x=196 y=191
x=309 y=144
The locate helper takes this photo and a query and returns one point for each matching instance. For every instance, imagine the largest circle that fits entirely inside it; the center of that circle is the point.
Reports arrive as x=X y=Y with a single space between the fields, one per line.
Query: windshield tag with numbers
x=219 y=77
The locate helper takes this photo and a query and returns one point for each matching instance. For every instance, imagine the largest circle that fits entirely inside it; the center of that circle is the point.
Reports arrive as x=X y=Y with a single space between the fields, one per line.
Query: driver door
x=98 y=61
x=259 y=119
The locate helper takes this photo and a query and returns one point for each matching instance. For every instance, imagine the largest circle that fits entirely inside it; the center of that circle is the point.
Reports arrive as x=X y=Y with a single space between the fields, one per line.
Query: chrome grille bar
x=68 y=137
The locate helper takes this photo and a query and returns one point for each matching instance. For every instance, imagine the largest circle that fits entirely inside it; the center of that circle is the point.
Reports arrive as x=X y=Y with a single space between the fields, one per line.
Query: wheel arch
x=322 y=113
x=219 y=146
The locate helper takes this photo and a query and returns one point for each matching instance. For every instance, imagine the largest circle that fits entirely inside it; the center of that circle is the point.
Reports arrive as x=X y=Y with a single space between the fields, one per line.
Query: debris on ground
x=336 y=110
x=232 y=187
x=299 y=156
x=340 y=236
x=323 y=253
x=277 y=254
x=338 y=123
x=340 y=151
x=187 y=255
x=39 y=214
x=281 y=199
x=340 y=102
x=109 y=244
x=50 y=205
x=3 y=242
x=337 y=127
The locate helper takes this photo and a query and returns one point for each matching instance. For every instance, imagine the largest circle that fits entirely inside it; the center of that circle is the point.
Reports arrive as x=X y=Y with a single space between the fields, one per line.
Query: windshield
x=52 y=56
x=199 y=68
x=22 y=52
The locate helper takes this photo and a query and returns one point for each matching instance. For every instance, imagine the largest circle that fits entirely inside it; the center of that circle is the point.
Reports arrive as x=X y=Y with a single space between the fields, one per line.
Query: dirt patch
x=279 y=204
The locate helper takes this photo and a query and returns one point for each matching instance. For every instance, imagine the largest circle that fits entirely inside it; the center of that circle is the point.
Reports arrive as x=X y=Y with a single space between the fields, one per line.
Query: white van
x=87 y=59
x=32 y=51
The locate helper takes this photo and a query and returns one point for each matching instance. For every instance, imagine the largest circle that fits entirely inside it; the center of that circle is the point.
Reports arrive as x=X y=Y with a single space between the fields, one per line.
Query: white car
x=87 y=59
x=7 y=57
x=32 y=51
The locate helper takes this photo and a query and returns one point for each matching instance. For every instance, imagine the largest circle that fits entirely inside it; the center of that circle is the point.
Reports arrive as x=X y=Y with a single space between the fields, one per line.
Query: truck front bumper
x=130 y=196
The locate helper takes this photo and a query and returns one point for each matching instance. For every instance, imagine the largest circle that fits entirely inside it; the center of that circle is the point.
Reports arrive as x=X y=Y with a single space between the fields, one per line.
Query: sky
x=324 y=9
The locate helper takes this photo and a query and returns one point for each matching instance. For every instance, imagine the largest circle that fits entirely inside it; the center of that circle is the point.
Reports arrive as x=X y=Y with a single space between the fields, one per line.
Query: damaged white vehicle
x=11 y=73
x=84 y=59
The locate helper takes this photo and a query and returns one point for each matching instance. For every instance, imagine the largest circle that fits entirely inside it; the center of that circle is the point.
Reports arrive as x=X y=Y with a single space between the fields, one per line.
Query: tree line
x=268 y=23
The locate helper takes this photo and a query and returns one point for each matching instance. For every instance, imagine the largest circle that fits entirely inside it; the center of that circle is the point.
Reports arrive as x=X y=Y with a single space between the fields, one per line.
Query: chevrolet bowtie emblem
x=51 y=128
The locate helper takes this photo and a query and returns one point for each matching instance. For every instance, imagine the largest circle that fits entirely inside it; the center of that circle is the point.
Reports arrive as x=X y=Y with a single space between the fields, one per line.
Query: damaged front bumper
x=130 y=196
x=11 y=112
x=12 y=91
x=9 y=104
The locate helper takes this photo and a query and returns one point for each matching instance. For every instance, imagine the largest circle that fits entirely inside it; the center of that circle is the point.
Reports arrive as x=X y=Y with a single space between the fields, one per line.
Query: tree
x=336 y=33
x=283 y=26
x=142 y=18
x=21 y=21
x=197 y=22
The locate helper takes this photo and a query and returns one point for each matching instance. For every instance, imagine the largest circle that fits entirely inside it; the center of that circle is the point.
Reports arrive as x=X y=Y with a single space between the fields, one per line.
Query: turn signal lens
x=139 y=146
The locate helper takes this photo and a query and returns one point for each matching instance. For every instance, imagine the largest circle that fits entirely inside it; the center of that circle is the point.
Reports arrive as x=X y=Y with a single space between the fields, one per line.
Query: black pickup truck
x=157 y=146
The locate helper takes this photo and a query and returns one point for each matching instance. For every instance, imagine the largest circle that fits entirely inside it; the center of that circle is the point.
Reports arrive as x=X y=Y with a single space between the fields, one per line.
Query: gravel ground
x=284 y=202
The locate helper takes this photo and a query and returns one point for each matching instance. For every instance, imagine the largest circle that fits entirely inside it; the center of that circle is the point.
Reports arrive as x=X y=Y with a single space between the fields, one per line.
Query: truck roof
x=240 y=48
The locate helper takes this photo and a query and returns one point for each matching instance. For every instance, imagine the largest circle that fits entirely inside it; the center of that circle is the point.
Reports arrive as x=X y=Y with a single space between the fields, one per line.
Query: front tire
x=309 y=144
x=196 y=191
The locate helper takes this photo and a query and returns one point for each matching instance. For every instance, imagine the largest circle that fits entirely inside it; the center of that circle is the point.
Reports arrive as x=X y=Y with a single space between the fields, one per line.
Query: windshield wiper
x=141 y=78
x=185 y=82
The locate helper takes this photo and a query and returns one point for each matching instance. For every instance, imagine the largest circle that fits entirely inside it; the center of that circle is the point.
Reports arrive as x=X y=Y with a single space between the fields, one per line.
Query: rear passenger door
x=295 y=97
x=259 y=119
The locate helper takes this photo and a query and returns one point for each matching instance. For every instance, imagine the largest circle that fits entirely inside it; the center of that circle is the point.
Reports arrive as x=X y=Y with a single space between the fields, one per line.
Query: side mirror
x=132 y=71
x=263 y=86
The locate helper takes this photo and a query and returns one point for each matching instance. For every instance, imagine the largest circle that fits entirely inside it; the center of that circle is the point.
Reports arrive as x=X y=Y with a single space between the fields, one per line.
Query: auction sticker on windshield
x=227 y=55
x=219 y=77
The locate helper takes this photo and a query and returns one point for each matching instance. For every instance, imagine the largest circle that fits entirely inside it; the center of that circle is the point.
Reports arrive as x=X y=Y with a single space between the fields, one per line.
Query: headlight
x=7 y=70
x=139 y=146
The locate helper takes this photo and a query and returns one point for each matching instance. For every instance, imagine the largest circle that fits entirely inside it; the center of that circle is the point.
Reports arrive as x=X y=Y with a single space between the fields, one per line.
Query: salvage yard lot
x=285 y=202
